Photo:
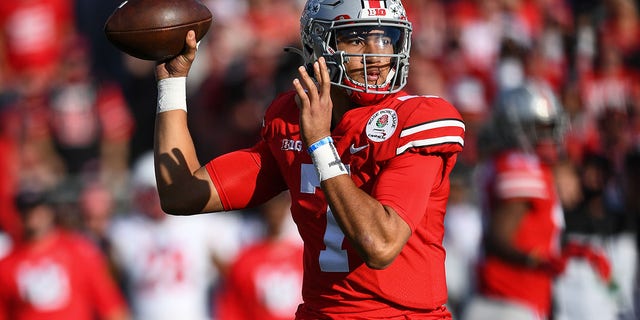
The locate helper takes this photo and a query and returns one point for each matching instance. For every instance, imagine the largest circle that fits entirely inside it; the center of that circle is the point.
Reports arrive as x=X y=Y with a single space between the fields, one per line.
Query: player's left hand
x=314 y=102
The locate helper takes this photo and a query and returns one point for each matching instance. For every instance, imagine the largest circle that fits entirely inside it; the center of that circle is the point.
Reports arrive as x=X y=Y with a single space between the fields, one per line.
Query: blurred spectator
x=568 y=184
x=32 y=38
x=28 y=157
x=242 y=92
x=609 y=84
x=265 y=279
x=595 y=214
x=25 y=128
x=90 y=120
x=632 y=204
x=584 y=292
x=55 y=274
x=549 y=60
x=511 y=65
x=275 y=21
x=621 y=29
x=613 y=138
x=106 y=60
x=430 y=27
x=169 y=264
x=50 y=133
x=97 y=206
x=607 y=99
x=522 y=212
x=584 y=41
x=247 y=67
x=463 y=233
x=140 y=84
x=631 y=186
x=469 y=98
x=227 y=10
x=5 y=243
x=476 y=27
x=10 y=222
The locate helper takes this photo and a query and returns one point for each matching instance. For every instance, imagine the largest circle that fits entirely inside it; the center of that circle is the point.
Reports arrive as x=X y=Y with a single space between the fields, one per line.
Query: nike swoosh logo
x=353 y=148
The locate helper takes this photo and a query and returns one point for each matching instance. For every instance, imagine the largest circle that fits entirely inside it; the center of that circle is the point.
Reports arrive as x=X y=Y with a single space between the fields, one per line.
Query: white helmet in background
x=144 y=188
x=529 y=117
x=143 y=174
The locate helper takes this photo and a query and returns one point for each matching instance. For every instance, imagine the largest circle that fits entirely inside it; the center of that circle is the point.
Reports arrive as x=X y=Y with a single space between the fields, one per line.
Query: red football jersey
x=400 y=151
x=263 y=282
x=516 y=175
x=34 y=32
x=63 y=278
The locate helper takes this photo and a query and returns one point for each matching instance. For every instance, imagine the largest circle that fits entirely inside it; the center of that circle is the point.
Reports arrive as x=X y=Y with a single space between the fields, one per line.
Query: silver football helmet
x=324 y=21
x=526 y=115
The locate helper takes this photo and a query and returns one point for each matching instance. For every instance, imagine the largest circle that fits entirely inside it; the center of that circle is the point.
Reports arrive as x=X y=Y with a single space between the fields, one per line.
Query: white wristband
x=172 y=94
x=326 y=160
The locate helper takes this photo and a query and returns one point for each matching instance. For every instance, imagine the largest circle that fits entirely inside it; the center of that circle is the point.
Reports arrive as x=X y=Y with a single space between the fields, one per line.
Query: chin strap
x=293 y=50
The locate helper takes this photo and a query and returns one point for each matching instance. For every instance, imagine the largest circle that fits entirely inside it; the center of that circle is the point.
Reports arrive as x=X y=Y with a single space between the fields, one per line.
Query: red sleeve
x=519 y=176
x=246 y=178
x=406 y=182
x=434 y=126
x=104 y=294
x=4 y=287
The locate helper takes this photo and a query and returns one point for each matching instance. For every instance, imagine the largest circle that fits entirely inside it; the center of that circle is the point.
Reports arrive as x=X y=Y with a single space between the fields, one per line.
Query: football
x=156 y=29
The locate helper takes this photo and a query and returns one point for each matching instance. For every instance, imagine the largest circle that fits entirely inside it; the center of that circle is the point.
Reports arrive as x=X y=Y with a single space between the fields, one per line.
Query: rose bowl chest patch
x=382 y=125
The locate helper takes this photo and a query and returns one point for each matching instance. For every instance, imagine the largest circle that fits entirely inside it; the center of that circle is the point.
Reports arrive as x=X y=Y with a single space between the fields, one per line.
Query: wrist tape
x=325 y=159
x=172 y=94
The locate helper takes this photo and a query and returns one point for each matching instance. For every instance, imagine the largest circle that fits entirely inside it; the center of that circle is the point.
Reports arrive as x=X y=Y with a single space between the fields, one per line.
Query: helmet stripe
x=374 y=4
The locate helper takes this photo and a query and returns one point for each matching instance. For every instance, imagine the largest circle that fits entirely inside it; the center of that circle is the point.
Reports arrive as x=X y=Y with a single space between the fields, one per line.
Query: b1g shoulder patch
x=382 y=125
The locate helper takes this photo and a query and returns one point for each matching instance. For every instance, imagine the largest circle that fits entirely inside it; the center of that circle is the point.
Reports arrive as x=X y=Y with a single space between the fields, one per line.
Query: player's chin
x=373 y=76
x=372 y=81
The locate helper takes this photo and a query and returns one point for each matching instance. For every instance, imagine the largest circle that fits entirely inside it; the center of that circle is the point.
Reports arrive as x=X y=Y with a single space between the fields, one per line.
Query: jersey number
x=333 y=258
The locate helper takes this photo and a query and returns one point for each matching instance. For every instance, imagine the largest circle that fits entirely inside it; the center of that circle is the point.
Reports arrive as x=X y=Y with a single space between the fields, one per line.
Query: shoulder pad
x=429 y=125
x=281 y=113
x=519 y=175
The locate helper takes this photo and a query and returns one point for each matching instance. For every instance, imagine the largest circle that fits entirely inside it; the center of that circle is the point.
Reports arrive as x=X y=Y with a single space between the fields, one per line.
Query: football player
x=55 y=273
x=169 y=264
x=523 y=213
x=366 y=164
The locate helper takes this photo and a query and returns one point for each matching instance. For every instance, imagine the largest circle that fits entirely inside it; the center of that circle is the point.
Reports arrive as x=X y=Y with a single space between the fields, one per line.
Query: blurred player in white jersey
x=169 y=263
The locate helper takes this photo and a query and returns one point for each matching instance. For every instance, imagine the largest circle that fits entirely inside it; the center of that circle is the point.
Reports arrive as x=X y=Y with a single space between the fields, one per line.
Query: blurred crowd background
x=76 y=114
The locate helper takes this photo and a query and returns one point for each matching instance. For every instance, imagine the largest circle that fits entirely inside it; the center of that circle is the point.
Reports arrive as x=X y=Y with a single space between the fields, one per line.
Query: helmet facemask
x=325 y=30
